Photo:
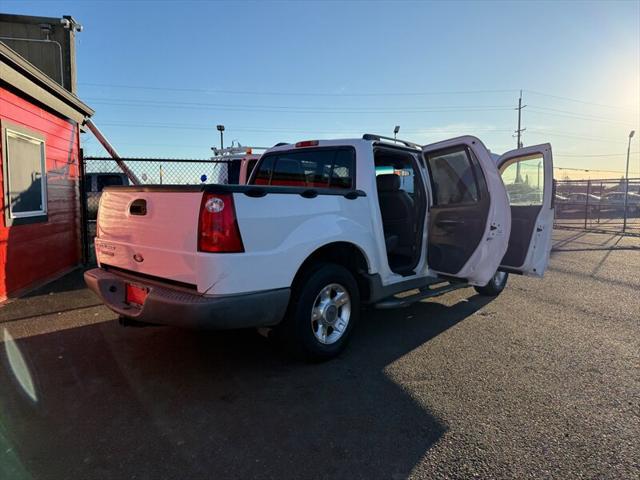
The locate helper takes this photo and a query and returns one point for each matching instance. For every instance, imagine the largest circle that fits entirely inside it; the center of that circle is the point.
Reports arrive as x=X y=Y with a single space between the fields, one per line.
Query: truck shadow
x=108 y=402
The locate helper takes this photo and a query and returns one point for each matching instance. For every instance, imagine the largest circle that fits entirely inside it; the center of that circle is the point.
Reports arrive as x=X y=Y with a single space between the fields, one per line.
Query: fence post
x=626 y=195
x=84 y=221
x=600 y=202
x=586 y=204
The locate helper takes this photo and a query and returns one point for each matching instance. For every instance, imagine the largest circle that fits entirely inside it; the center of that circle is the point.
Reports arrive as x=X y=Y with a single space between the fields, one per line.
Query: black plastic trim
x=133 y=276
x=379 y=291
x=248 y=190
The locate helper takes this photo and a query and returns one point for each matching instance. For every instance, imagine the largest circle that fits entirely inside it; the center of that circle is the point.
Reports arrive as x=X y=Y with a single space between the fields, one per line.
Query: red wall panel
x=32 y=253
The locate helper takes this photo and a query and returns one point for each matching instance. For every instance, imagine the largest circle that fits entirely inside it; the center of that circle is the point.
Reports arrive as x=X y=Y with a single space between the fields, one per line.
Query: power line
x=578 y=117
x=359 y=130
x=562 y=133
x=356 y=131
x=297 y=94
x=569 y=99
x=580 y=114
x=345 y=94
x=590 y=155
x=588 y=169
x=292 y=109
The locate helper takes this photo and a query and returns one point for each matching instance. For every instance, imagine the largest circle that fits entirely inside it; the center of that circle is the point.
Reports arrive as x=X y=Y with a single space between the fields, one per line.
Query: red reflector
x=307 y=143
x=218 y=230
x=136 y=294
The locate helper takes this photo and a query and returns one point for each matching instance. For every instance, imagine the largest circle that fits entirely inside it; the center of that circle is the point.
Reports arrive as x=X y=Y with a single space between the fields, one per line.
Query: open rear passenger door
x=527 y=174
x=469 y=219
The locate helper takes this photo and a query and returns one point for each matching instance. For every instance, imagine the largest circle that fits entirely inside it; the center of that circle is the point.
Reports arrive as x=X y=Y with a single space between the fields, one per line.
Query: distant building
x=40 y=125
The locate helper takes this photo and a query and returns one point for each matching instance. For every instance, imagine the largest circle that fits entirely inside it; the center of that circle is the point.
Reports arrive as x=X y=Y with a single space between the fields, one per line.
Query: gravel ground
x=542 y=382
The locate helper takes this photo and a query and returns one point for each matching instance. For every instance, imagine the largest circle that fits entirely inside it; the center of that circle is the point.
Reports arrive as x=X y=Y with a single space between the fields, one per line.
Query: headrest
x=388 y=182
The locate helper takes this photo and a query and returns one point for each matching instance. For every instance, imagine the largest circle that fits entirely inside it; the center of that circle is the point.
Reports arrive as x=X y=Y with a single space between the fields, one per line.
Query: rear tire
x=324 y=306
x=495 y=286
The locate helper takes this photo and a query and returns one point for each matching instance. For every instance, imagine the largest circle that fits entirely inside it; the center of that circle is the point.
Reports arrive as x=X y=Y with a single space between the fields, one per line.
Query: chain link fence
x=598 y=205
x=594 y=205
x=101 y=172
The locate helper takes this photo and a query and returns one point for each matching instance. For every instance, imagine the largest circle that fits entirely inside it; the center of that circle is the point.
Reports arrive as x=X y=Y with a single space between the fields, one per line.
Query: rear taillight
x=218 y=230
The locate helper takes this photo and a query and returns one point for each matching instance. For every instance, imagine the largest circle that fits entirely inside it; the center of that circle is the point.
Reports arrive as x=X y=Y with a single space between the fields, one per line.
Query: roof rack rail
x=374 y=137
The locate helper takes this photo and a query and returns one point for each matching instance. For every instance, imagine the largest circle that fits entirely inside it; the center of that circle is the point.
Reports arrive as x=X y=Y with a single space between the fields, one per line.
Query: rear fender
x=276 y=268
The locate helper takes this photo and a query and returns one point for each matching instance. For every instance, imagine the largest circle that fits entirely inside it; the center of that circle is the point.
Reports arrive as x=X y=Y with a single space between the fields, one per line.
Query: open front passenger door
x=469 y=219
x=527 y=174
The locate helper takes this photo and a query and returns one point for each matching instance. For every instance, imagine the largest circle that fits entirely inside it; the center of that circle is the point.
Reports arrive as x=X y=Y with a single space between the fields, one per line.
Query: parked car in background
x=615 y=201
x=583 y=200
x=95 y=183
x=322 y=227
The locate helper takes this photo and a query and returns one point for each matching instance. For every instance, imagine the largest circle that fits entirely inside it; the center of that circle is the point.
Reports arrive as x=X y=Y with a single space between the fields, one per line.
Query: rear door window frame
x=273 y=157
x=480 y=183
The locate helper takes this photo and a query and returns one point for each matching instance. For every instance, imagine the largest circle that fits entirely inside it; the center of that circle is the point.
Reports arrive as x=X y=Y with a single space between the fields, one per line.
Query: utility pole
x=518 y=133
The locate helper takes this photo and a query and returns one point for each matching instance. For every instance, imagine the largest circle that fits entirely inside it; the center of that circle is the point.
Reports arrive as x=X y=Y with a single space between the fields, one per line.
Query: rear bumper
x=168 y=305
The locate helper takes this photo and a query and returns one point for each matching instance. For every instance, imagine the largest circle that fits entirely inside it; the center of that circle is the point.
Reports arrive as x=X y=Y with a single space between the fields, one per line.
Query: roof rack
x=378 y=138
x=239 y=150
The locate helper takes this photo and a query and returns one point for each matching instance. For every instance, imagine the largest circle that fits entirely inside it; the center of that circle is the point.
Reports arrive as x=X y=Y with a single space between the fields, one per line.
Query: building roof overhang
x=20 y=74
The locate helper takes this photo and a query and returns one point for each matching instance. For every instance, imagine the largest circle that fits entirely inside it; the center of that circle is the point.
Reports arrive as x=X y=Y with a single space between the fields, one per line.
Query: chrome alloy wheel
x=330 y=313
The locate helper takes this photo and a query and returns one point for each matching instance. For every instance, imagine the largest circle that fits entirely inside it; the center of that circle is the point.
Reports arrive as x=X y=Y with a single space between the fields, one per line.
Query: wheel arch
x=346 y=254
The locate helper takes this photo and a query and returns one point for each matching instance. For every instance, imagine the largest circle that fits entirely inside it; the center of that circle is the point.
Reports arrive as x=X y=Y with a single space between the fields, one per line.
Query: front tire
x=324 y=307
x=495 y=286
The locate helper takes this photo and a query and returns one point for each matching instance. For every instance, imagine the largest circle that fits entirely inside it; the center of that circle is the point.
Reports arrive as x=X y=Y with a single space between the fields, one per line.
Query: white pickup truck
x=321 y=228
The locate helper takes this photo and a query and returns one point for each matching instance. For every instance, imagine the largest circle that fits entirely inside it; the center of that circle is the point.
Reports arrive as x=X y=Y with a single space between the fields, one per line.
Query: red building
x=40 y=187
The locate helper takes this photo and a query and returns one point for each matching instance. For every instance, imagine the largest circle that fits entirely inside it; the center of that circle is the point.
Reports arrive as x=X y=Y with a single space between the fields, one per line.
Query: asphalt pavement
x=542 y=382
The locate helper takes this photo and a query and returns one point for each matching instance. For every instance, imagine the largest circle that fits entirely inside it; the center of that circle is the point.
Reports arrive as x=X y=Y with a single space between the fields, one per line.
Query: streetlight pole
x=221 y=130
x=626 y=188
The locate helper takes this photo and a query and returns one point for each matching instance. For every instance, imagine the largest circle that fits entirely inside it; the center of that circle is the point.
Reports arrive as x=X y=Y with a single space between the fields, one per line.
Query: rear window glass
x=325 y=168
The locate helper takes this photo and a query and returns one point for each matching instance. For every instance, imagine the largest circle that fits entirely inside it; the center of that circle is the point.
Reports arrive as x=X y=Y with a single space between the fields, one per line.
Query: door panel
x=523 y=219
x=528 y=177
x=469 y=219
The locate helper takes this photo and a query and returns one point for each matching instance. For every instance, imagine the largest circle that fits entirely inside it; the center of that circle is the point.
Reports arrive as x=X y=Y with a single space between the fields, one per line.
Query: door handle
x=448 y=223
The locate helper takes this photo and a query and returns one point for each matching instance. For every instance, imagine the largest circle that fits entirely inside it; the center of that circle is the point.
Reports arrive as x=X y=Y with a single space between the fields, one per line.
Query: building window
x=25 y=177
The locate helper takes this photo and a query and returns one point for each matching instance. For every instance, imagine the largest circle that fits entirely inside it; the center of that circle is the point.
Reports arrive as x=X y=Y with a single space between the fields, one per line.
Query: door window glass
x=453 y=178
x=524 y=180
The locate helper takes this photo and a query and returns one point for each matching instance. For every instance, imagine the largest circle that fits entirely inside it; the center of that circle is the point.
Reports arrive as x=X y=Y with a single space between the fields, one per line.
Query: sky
x=162 y=74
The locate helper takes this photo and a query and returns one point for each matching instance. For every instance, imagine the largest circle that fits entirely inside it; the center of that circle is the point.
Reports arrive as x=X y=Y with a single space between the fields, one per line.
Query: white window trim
x=10 y=132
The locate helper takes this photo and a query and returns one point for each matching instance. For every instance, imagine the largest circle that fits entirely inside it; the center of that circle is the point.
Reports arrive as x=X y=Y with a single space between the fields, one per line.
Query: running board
x=425 y=292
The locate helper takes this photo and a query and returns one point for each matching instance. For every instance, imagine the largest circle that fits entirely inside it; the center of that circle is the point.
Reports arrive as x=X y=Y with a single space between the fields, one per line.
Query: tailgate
x=150 y=231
